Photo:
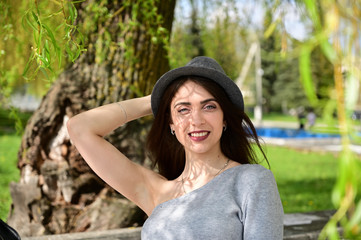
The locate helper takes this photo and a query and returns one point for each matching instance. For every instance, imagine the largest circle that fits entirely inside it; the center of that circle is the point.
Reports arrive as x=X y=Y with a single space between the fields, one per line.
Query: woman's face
x=197 y=118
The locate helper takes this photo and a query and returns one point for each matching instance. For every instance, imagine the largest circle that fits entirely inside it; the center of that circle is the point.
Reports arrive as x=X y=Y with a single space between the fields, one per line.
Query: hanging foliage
x=336 y=27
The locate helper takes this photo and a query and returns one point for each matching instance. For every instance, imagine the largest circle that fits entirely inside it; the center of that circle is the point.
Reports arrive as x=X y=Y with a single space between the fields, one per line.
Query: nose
x=197 y=118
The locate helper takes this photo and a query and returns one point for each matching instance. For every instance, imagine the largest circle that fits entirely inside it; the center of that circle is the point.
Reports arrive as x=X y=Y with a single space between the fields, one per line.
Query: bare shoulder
x=168 y=190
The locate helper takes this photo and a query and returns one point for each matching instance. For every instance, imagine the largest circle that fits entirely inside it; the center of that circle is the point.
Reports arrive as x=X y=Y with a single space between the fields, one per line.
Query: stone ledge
x=304 y=236
x=305 y=226
x=116 y=234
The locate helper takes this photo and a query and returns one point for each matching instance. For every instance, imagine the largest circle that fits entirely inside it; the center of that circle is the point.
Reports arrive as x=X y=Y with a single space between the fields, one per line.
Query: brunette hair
x=168 y=155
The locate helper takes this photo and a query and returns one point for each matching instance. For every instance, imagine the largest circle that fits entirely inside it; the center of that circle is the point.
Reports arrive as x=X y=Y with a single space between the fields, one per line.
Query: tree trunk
x=58 y=192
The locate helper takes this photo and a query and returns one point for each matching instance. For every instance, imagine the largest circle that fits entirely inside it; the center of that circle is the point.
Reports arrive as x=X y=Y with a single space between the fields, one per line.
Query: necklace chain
x=220 y=170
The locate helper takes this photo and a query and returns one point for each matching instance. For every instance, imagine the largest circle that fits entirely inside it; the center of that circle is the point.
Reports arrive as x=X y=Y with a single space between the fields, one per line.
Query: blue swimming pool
x=291 y=133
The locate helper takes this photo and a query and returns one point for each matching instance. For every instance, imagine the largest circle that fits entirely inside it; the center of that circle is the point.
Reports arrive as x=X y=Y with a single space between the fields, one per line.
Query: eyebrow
x=202 y=102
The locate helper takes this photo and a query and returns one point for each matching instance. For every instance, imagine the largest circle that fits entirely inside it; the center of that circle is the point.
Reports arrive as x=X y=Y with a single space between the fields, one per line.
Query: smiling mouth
x=199 y=135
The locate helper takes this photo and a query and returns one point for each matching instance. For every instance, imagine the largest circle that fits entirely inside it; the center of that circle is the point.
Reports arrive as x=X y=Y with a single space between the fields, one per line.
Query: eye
x=183 y=110
x=210 y=107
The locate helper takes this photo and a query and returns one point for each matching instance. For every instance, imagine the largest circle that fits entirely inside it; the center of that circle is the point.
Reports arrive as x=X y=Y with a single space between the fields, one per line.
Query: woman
x=200 y=142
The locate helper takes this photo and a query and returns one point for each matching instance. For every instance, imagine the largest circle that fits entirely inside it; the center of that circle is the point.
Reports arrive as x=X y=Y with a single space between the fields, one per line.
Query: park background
x=75 y=55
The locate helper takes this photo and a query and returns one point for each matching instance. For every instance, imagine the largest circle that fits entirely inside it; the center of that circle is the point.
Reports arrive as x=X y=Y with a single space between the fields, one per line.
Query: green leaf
x=69 y=51
x=328 y=50
x=36 y=18
x=43 y=59
x=51 y=35
x=26 y=18
x=60 y=11
x=27 y=66
x=58 y=27
x=77 y=54
x=346 y=177
x=36 y=39
x=332 y=232
x=72 y=11
x=60 y=57
x=270 y=29
x=79 y=1
x=356 y=217
x=312 y=10
x=306 y=74
x=45 y=73
x=46 y=53
x=39 y=33
x=351 y=91
x=328 y=111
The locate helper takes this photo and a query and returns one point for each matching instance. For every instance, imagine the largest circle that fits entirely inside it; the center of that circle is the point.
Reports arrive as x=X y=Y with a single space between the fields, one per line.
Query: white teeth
x=201 y=134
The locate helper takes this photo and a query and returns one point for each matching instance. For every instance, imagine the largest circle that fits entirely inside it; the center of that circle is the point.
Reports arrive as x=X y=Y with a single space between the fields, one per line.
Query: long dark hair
x=168 y=155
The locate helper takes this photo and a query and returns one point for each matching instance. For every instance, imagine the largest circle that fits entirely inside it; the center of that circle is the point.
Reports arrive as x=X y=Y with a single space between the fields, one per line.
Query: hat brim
x=231 y=89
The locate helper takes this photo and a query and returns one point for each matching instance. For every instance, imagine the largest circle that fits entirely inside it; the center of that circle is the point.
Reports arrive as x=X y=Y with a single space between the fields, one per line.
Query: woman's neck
x=204 y=165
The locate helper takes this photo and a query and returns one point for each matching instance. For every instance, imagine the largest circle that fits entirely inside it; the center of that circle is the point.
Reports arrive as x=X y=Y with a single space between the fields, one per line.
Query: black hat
x=202 y=67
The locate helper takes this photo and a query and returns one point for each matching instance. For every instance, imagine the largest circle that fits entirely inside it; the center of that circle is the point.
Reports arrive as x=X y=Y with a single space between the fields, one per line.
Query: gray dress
x=241 y=203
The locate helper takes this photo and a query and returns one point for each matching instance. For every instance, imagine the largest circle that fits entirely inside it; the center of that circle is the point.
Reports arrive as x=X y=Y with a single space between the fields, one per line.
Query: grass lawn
x=279 y=117
x=9 y=145
x=305 y=179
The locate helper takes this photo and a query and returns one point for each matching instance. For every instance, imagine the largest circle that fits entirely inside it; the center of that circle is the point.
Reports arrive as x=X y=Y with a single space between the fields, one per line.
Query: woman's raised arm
x=102 y=120
x=87 y=130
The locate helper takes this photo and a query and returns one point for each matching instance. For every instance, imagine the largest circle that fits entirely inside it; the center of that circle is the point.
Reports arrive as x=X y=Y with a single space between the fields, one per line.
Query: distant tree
x=270 y=60
x=288 y=90
x=281 y=74
x=221 y=41
x=186 y=41
x=215 y=35
x=323 y=78
x=195 y=32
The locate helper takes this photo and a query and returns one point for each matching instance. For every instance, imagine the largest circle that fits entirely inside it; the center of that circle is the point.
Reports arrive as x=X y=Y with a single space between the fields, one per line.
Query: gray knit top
x=241 y=203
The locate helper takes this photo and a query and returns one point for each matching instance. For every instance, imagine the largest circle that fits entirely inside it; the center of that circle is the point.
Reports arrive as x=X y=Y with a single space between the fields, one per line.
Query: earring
x=224 y=128
x=172 y=131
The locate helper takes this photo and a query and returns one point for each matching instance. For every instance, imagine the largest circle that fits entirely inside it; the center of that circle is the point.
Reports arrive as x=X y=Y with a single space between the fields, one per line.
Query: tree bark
x=124 y=57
